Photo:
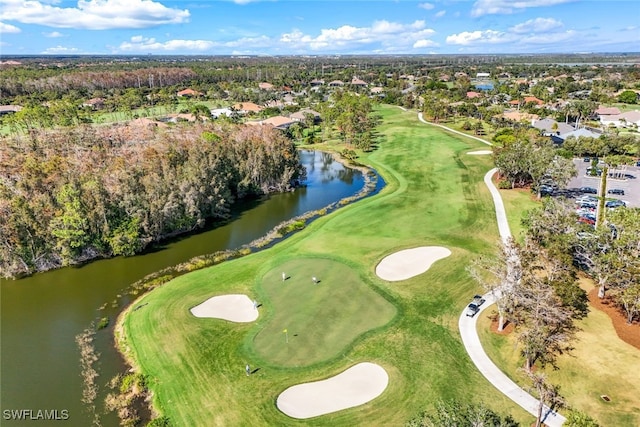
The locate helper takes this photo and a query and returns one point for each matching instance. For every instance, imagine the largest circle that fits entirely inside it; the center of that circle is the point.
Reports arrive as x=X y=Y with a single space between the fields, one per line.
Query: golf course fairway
x=435 y=196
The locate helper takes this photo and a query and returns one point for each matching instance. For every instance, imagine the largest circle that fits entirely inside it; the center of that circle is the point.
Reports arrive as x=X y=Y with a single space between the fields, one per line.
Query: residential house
x=518 y=116
x=357 y=82
x=336 y=83
x=629 y=118
x=301 y=116
x=247 y=107
x=528 y=99
x=472 y=94
x=215 y=113
x=578 y=133
x=278 y=122
x=265 y=86
x=316 y=82
x=189 y=93
x=550 y=127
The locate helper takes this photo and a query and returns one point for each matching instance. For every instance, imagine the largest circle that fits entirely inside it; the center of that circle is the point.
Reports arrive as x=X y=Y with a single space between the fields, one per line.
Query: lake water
x=41 y=315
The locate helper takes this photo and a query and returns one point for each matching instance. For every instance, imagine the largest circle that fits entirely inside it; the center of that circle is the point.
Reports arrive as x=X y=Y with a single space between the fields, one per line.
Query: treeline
x=86 y=192
x=48 y=85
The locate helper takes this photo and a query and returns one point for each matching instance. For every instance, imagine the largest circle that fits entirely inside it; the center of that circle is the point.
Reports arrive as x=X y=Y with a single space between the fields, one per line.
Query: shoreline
x=145 y=285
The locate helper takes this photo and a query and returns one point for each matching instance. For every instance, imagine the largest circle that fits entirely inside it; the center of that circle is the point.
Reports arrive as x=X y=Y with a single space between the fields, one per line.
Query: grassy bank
x=434 y=196
x=599 y=364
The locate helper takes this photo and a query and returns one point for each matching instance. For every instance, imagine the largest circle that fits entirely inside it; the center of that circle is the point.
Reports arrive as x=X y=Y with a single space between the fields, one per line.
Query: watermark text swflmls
x=35 y=414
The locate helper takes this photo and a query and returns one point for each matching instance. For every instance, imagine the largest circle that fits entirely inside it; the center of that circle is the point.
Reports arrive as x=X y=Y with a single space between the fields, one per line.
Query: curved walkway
x=452 y=130
x=468 y=325
x=471 y=340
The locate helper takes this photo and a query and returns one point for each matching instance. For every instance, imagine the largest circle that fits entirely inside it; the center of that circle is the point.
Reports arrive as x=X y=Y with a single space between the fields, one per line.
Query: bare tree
x=548 y=394
x=500 y=275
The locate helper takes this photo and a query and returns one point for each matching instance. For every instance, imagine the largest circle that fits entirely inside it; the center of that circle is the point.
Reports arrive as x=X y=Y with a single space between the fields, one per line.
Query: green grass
x=321 y=319
x=434 y=196
x=517 y=203
x=600 y=364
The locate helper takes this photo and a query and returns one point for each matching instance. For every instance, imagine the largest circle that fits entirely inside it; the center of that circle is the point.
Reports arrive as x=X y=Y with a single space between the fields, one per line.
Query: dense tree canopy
x=101 y=191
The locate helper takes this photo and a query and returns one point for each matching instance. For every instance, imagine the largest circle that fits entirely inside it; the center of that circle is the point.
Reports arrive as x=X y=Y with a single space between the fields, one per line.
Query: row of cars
x=587 y=205
x=474 y=307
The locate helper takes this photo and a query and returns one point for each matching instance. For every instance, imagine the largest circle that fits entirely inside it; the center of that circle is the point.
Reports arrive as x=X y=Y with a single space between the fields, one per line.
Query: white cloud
x=145 y=44
x=57 y=50
x=53 y=34
x=440 y=14
x=93 y=14
x=467 y=38
x=549 y=38
x=538 y=25
x=426 y=6
x=424 y=43
x=391 y=36
x=8 y=28
x=503 y=7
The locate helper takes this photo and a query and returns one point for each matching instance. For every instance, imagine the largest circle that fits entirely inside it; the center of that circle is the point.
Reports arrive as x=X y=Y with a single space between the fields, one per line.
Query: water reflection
x=42 y=314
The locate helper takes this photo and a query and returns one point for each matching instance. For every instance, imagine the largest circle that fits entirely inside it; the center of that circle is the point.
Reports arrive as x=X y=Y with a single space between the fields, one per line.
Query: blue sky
x=308 y=27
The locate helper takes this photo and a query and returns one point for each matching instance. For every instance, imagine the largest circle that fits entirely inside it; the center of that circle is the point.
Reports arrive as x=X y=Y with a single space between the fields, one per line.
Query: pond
x=41 y=315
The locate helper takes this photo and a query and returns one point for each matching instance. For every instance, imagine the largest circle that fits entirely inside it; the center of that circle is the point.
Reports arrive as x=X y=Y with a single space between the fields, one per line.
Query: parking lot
x=630 y=186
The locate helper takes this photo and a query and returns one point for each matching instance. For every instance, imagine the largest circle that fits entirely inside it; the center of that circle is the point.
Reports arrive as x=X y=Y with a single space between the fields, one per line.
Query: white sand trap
x=405 y=264
x=235 y=308
x=480 y=152
x=355 y=386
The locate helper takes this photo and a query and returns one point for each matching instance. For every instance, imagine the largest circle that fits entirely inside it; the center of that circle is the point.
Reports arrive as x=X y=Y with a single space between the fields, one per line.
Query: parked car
x=546 y=190
x=586 y=199
x=478 y=300
x=586 y=159
x=472 y=310
x=612 y=204
x=587 y=220
x=589 y=205
x=617 y=191
x=589 y=190
x=638 y=163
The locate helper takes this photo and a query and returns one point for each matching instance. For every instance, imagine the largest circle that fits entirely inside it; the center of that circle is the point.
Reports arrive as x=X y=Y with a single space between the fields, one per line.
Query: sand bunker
x=410 y=262
x=355 y=386
x=235 y=308
x=480 y=152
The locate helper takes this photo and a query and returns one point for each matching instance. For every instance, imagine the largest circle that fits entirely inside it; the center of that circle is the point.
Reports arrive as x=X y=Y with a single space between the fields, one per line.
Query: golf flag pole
x=286 y=336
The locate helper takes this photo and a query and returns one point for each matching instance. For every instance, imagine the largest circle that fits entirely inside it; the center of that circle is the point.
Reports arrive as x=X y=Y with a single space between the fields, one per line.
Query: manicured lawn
x=434 y=196
x=321 y=319
x=517 y=202
x=600 y=364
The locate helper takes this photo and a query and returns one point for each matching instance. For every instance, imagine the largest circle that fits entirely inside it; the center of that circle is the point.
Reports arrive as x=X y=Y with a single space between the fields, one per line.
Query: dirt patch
x=508 y=328
x=626 y=332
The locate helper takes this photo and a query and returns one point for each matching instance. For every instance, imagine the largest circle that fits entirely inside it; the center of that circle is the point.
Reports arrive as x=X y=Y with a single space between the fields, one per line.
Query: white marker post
x=286 y=336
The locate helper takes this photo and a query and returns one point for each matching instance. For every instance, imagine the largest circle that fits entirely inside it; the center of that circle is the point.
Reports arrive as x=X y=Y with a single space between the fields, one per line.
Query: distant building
x=578 y=133
x=621 y=120
x=301 y=116
x=247 y=107
x=357 y=82
x=189 y=93
x=221 y=112
x=549 y=127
